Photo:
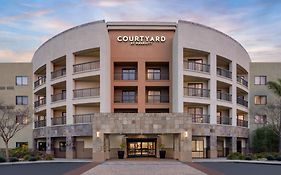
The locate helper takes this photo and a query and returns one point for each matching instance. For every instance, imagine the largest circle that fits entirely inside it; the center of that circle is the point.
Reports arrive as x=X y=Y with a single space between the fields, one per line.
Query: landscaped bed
x=255 y=156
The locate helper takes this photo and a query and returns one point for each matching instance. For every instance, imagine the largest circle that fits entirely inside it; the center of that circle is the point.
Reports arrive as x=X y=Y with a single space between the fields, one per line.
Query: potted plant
x=121 y=152
x=162 y=152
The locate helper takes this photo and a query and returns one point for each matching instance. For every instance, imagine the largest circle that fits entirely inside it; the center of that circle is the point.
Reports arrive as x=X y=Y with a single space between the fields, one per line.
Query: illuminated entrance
x=141 y=147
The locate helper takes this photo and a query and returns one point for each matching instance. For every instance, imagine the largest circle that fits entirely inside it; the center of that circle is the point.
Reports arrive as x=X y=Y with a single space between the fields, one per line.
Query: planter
x=162 y=154
x=121 y=154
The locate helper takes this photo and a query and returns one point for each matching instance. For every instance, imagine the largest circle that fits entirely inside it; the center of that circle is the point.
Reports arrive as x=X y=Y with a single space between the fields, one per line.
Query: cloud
x=7 y=55
x=109 y=3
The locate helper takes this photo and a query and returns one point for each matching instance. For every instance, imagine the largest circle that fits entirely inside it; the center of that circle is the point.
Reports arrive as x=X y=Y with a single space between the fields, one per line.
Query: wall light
x=185 y=134
x=98 y=134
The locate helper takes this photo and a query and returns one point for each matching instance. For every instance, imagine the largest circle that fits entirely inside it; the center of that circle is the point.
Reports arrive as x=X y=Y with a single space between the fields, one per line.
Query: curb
x=240 y=161
x=39 y=162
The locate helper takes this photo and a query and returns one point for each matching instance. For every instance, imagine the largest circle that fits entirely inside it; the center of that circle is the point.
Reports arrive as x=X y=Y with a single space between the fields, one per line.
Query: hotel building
x=182 y=87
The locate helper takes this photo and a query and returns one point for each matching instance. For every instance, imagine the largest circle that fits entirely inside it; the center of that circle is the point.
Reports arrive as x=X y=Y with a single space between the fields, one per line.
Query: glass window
x=128 y=96
x=21 y=80
x=62 y=146
x=260 y=80
x=260 y=100
x=153 y=74
x=21 y=144
x=197 y=148
x=153 y=96
x=21 y=100
x=260 y=119
x=128 y=74
x=21 y=119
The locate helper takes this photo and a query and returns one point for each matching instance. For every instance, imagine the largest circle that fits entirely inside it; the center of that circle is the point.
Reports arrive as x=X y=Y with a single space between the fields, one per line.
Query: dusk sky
x=26 y=24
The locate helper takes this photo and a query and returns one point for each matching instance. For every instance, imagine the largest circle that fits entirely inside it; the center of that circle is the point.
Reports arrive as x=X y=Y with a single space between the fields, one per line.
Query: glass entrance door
x=141 y=147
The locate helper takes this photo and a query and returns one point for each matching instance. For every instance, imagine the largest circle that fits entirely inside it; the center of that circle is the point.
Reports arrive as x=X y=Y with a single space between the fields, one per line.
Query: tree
x=12 y=120
x=275 y=118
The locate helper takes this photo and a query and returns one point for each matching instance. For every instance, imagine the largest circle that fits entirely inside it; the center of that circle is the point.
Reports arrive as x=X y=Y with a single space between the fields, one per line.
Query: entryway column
x=98 y=146
x=213 y=146
x=185 y=154
x=49 y=146
x=107 y=146
x=176 y=146
x=234 y=144
x=69 y=147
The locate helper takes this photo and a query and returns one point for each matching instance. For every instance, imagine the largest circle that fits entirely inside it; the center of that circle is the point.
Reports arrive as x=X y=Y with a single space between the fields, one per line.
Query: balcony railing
x=242 y=102
x=199 y=67
x=200 y=118
x=196 y=92
x=224 y=96
x=224 y=72
x=224 y=120
x=89 y=66
x=125 y=98
x=40 y=102
x=40 y=81
x=58 y=97
x=243 y=123
x=58 y=73
x=125 y=75
x=83 y=118
x=242 y=81
x=89 y=92
x=157 y=76
x=157 y=99
x=40 y=123
x=58 y=120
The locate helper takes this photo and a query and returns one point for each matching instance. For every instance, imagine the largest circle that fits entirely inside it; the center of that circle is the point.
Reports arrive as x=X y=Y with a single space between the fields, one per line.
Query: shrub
x=26 y=157
x=278 y=158
x=235 y=156
x=19 y=152
x=270 y=157
x=13 y=159
x=32 y=159
x=265 y=140
x=2 y=159
x=250 y=157
x=49 y=157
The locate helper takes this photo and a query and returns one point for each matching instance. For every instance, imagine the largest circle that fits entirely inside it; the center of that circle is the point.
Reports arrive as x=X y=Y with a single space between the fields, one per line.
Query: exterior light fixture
x=98 y=134
x=185 y=134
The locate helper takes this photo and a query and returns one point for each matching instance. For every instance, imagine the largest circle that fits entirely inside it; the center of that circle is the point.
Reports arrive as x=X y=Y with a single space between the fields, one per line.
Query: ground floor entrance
x=141 y=147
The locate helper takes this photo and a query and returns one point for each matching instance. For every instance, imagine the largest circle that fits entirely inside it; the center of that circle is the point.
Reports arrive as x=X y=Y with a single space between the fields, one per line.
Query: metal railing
x=88 y=92
x=200 y=118
x=196 y=92
x=242 y=81
x=224 y=72
x=200 y=67
x=157 y=99
x=119 y=98
x=40 y=81
x=243 y=123
x=58 y=120
x=125 y=75
x=225 y=120
x=58 y=97
x=242 y=102
x=82 y=67
x=83 y=118
x=58 y=73
x=40 y=102
x=157 y=76
x=224 y=96
x=40 y=123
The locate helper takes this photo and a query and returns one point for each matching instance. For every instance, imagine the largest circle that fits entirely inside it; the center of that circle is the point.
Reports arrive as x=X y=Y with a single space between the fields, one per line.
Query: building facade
x=16 y=92
x=182 y=87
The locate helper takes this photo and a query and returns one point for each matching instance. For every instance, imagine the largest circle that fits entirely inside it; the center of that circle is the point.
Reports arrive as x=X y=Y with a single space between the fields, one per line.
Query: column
x=49 y=146
x=176 y=146
x=69 y=88
x=107 y=146
x=213 y=146
x=49 y=92
x=69 y=154
x=141 y=98
x=234 y=144
x=185 y=154
x=213 y=88
x=98 y=147
x=234 y=94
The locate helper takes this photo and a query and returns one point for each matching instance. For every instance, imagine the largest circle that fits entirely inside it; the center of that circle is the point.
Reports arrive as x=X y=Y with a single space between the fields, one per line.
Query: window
x=195 y=64
x=21 y=100
x=41 y=146
x=260 y=100
x=197 y=114
x=198 y=148
x=153 y=96
x=260 y=80
x=128 y=96
x=21 y=80
x=128 y=74
x=21 y=119
x=260 y=119
x=21 y=144
x=153 y=74
x=62 y=146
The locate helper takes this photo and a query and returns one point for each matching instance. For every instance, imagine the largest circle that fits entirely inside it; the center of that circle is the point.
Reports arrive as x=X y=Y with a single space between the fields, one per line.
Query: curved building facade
x=179 y=86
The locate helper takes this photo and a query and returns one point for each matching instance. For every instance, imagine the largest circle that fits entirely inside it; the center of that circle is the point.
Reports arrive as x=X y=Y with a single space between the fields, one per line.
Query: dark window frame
x=21 y=81
x=20 y=100
x=260 y=77
x=260 y=99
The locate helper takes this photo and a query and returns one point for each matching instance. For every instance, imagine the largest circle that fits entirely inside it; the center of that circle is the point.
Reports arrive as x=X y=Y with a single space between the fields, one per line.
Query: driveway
x=143 y=167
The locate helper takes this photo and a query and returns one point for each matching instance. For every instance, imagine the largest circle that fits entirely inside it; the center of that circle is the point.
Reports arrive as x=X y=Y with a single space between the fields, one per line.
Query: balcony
x=242 y=102
x=224 y=120
x=83 y=118
x=157 y=76
x=125 y=76
x=155 y=99
x=39 y=123
x=200 y=118
x=125 y=98
x=243 y=123
x=58 y=73
x=89 y=92
x=58 y=97
x=196 y=92
x=39 y=82
x=40 y=102
x=58 y=120
x=224 y=96
x=198 y=67
x=242 y=81
x=224 y=73
x=89 y=66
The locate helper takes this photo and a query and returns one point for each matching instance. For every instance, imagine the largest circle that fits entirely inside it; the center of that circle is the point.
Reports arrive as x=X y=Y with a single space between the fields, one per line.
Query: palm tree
x=275 y=87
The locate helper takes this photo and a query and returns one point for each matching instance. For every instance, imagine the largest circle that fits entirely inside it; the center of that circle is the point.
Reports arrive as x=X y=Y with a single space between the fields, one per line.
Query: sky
x=26 y=24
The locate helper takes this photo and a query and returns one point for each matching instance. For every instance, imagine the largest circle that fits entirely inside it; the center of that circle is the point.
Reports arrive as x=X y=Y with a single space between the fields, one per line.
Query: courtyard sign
x=141 y=40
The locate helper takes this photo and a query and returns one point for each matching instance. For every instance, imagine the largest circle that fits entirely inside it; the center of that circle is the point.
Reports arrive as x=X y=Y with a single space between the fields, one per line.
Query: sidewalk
x=238 y=161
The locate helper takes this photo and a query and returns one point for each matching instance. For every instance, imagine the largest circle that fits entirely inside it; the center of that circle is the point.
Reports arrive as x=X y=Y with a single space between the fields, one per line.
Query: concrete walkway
x=143 y=167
